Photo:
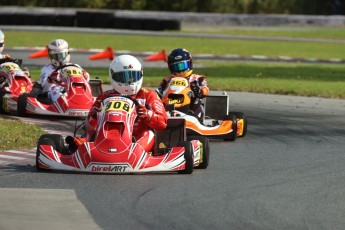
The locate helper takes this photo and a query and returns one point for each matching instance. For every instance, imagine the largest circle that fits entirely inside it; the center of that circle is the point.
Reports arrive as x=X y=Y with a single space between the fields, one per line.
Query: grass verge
x=18 y=135
x=274 y=78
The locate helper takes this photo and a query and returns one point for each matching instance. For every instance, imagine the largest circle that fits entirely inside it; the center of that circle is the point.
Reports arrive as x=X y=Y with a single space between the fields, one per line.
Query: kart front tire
x=188 y=155
x=241 y=115
x=57 y=139
x=205 y=152
x=21 y=104
x=42 y=141
x=233 y=135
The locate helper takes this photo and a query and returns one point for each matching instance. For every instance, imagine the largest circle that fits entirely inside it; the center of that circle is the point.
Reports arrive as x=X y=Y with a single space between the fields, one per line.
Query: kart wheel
x=241 y=115
x=58 y=141
x=21 y=104
x=233 y=135
x=188 y=155
x=42 y=141
x=2 y=94
x=205 y=150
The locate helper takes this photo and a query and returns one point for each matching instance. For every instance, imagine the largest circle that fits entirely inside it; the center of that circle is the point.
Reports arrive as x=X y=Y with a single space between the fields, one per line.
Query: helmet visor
x=179 y=67
x=58 y=56
x=127 y=76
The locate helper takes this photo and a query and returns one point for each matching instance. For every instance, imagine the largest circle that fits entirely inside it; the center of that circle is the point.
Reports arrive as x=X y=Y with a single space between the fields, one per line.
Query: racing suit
x=143 y=127
x=53 y=84
x=198 y=85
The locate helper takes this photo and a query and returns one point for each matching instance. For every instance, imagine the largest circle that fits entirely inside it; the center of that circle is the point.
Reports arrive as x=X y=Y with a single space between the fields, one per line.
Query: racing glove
x=86 y=75
x=144 y=113
x=7 y=56
x=196 y=89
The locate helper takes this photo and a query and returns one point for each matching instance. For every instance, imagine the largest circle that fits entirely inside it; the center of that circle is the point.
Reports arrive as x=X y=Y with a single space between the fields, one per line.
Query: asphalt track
x=287 y=173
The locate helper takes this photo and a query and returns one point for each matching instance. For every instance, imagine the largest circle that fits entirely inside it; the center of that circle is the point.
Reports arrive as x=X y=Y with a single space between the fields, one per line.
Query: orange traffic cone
x=106 y=54
x=40 y=54
x=161 y=56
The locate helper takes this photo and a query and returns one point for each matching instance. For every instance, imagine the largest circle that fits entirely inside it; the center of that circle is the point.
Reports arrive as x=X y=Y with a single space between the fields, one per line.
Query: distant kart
x=14 y=83
x=74 y=99
x=114 y=149
x=222 y=124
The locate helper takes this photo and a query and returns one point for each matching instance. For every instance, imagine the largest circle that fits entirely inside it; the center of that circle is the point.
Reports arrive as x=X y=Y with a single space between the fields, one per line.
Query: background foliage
x=309 y=7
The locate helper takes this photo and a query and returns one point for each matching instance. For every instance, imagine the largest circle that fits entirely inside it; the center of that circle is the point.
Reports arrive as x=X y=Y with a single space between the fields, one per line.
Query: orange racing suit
x=198 y=85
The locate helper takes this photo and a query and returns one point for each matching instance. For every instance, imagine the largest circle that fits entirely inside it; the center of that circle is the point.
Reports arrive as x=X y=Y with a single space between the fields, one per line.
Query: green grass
x=194 y=45
x=297 y=32
x=275 y=78
x=18 y=135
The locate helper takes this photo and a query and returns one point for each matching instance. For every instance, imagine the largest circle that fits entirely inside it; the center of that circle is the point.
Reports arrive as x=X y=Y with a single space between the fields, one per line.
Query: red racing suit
x=198 y=85
x=142 y=130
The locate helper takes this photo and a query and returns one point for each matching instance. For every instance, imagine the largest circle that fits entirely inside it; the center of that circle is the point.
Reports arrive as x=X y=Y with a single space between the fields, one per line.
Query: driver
x=50 y=81
x=2 y=46
x=7 y=58
x=180 y=65
x=126 y=77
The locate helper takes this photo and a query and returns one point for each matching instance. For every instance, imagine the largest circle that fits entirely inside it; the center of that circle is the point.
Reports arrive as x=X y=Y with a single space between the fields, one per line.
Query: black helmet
x=180 y=63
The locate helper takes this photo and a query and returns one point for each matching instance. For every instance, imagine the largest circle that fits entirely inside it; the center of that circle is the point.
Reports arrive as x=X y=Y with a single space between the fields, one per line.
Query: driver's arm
x=159 y=118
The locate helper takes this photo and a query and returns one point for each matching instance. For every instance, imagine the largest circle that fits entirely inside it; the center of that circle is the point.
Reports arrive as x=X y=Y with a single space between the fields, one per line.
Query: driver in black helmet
x=180 y=65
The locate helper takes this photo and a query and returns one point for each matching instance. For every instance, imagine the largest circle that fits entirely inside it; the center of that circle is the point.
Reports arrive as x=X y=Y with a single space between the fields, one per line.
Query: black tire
x=241 y=116
x=58 y=141
x=42 y=141
x=2 y=94
x=205 y=150
x=233 y=135
x=188 y=155
x=21 y=104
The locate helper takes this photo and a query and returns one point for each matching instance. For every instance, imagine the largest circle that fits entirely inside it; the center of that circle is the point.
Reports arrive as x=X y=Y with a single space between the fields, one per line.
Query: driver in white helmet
x=59 y=55
x=7 y=58
x=2 y=46
x=126 y=77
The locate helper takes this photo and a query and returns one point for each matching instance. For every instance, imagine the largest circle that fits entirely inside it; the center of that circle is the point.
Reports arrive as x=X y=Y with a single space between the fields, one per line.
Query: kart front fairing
x=113 y=149
x=75 y=102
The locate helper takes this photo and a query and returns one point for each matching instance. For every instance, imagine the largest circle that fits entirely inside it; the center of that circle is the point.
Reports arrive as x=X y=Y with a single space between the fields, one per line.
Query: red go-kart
x=114 y=150
x=14 y=82
x=73 y=100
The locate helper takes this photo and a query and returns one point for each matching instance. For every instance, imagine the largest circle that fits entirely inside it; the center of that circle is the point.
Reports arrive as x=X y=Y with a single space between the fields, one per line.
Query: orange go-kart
x=218 y=122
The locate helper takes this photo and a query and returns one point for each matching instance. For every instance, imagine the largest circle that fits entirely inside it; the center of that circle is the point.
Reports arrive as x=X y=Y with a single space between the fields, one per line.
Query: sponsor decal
x=110 y=168
x=178 y=57
x=78 y=113
x=128 y=67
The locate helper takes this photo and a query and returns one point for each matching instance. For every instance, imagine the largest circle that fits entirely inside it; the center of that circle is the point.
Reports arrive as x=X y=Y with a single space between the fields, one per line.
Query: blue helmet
x=180 y=63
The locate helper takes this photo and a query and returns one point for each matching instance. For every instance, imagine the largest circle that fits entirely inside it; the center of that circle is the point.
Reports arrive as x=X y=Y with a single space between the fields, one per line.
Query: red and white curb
x=15 y=158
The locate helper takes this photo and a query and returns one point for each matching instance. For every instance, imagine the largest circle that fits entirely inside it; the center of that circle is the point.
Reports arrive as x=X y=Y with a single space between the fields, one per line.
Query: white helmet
x=126 y=74
x=58 y=51
x=2 y=41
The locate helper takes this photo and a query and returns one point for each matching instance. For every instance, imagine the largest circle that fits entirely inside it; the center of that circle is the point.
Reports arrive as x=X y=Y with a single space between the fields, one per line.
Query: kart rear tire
x=188 y=155
x=42 y=141
x=206 y=150
x=241 y=116
x=58 y=141
x=233 y=135
x=21 y=104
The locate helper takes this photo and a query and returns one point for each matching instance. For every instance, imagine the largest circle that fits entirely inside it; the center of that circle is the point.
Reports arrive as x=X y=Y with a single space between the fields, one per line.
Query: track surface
x=287 y=173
